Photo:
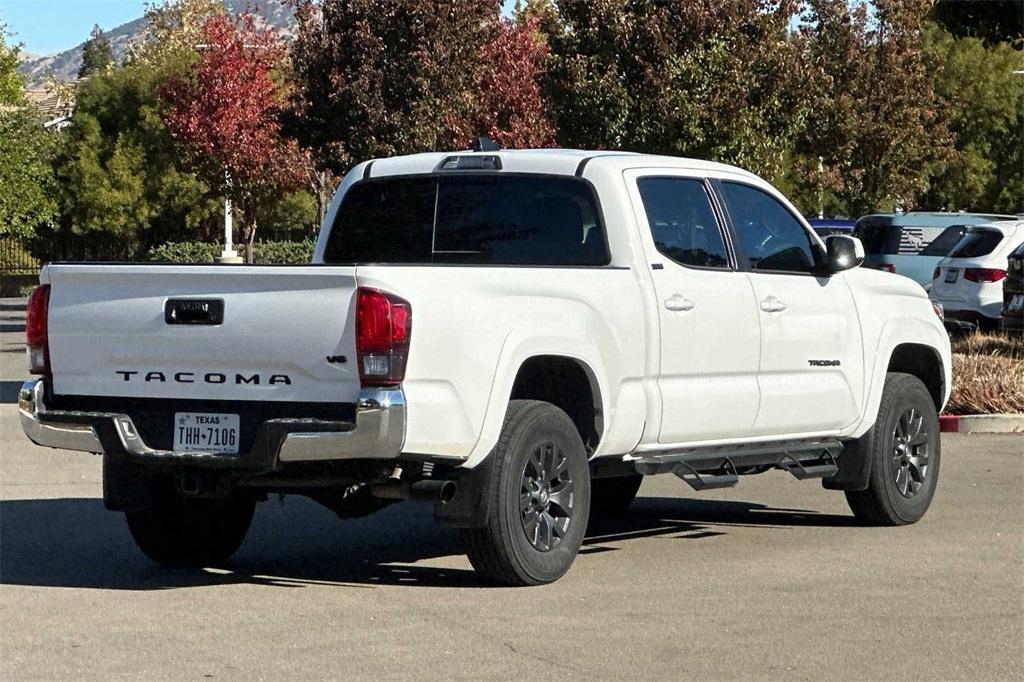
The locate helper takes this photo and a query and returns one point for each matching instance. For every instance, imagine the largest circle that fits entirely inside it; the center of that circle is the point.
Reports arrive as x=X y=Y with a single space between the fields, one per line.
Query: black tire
x=899 y=491
x=191 y=532
x=502 y=551
x=612 y=495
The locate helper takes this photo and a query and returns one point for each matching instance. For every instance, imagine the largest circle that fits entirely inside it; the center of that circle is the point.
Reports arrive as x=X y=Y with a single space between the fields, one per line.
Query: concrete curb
x=982 y=423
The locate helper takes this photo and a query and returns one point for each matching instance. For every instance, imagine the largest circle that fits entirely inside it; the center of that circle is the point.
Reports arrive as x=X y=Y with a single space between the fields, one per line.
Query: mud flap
x=468 y=509
x=126 y=485
x=854 y=465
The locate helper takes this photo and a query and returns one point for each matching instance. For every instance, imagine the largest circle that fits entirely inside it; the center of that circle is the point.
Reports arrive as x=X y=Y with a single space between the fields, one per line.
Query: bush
x=988 y=375
x=264 y=252
x=184 y=252
x=291 y=253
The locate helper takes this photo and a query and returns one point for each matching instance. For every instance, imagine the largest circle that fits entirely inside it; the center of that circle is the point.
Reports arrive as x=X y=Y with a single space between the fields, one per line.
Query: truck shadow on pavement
x=76 y=542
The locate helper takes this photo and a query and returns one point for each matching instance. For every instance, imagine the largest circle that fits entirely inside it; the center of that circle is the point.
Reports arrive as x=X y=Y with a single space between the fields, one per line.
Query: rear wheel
x=905 y=452
x=538 y=500
x=192 y=532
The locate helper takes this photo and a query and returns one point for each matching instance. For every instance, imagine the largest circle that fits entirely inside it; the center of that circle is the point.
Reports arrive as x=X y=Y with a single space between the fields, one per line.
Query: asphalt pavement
x=771 y=579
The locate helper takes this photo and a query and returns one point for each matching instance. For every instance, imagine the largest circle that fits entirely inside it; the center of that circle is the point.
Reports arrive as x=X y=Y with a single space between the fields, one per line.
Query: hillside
x=64 y=65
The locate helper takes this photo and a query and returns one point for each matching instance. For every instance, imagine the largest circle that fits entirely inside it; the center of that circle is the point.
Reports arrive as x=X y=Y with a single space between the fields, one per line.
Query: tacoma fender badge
x=824 y=363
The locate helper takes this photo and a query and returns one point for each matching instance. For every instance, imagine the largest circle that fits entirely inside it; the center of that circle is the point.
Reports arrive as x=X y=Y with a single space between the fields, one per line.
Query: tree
x=120 y=172
x=509 y=106
x=875 y=117
x=227 y=115
x=97 y=54
x=987 y=104
x=993 y=21
x=171 y=32
x=713 y=80
x=385 y=77
x=26 y=177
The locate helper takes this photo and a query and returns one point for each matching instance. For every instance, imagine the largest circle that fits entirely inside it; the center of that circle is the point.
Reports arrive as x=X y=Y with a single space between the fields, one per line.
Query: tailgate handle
x=194 y=311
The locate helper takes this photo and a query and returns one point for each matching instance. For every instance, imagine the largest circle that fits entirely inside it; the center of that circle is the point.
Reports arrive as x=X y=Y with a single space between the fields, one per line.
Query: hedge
x=264 y=252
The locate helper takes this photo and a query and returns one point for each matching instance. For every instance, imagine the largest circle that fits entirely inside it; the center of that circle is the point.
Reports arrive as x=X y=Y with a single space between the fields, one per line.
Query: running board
x=705 y=468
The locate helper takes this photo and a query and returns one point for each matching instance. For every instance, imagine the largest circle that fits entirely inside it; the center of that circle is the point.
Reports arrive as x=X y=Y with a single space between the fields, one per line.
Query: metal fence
x=24 y=256
x=21 y=256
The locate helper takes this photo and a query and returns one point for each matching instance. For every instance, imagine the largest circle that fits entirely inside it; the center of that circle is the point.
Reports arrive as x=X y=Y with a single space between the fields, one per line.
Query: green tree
x=26 y=176
x=97 y=54
x=712 y=80
x=120 y=171
x=875 y=118
x=986 y=98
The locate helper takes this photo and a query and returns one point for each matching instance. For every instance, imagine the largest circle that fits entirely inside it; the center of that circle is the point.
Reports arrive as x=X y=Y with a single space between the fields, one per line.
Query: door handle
x=772 y=305
x=677 y=302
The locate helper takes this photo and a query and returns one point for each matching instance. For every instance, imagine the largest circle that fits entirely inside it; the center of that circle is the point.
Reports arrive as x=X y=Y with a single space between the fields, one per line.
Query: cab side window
x=772 y=237
x=682 y=223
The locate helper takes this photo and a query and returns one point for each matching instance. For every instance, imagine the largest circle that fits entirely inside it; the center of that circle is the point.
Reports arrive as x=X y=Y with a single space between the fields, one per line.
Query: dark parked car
x=1013 y=292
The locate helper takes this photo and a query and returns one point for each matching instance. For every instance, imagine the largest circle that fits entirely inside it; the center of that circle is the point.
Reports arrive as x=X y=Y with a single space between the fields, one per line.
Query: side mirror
x=844 y=253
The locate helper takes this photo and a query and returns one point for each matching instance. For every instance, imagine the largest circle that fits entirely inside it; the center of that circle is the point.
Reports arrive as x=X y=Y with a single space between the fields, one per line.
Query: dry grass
x=980 y=343
x=988 y=375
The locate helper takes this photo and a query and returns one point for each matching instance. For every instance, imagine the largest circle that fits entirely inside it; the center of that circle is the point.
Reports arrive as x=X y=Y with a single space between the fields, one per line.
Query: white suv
x=968 y=282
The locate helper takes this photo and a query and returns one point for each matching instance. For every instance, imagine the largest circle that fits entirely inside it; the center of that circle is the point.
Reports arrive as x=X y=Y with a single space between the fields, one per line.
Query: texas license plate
x=206 y=432
x=951 y=275
x=1016 y=304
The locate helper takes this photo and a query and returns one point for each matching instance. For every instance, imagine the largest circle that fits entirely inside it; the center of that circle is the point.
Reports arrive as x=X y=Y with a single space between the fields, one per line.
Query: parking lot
x=770 y=579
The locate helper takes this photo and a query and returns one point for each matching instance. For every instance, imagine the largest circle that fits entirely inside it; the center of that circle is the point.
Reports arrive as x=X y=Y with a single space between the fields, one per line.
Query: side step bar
x=720 y=466
x=726 y=477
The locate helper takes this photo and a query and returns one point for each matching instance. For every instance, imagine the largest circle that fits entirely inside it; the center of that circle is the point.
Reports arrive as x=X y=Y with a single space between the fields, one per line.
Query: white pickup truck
x=515 y=337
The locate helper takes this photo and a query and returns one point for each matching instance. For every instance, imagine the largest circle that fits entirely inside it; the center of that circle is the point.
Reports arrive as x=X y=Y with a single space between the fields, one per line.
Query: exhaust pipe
x=428 y=491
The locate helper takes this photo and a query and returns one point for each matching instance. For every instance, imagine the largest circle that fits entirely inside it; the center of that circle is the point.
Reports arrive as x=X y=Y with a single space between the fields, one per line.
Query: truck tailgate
x=286 y=333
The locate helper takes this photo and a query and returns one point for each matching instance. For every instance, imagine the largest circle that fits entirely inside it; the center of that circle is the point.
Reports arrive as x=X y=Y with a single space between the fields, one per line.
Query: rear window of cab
x=469 y=219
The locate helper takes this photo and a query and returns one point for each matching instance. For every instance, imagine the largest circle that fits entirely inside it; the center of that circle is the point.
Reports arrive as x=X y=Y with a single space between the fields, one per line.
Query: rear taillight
x=984 y=275
x=35 y=330
x=383 y=325
x=936 y=273
x=887 y=267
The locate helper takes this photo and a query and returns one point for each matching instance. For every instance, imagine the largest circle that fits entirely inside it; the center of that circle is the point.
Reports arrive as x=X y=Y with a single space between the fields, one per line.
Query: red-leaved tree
x=509 y=105
x=226 y=113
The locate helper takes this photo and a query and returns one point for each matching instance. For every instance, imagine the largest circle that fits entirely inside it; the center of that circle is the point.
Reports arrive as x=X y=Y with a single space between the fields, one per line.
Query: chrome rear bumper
x=378 y=433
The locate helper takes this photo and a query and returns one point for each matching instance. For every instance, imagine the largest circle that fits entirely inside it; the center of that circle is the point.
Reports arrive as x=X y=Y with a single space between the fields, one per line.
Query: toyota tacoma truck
x=514 y=337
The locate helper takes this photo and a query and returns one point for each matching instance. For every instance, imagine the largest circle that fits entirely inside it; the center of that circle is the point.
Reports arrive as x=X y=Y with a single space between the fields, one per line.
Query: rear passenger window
x=976 y=243
x=942 y=244
x=772 y=237
x=682 y=223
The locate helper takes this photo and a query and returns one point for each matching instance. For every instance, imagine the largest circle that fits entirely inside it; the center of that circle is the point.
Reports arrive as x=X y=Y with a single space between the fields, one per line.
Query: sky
x=47 y=26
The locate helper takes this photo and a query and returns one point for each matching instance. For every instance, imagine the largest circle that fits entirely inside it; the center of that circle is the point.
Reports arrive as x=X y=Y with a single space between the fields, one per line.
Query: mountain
x=64 y=65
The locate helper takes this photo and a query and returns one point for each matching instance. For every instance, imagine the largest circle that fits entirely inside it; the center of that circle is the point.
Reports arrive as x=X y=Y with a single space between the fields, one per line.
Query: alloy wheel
x=546 y=497
x=910 y=453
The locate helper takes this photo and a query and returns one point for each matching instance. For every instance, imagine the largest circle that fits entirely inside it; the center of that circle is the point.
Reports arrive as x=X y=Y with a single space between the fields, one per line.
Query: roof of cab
x=546 y=161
